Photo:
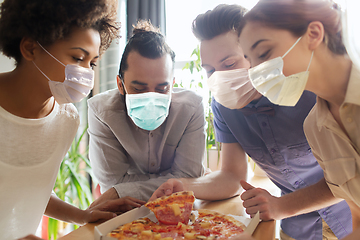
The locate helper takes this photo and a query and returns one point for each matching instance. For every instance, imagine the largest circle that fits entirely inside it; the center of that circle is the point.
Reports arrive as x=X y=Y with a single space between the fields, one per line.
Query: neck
x=330 y=78
x=25 y=93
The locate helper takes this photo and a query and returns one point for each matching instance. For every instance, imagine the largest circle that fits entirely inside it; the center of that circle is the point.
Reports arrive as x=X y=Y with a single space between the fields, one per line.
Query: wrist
x=285 y=209
x=80 y=217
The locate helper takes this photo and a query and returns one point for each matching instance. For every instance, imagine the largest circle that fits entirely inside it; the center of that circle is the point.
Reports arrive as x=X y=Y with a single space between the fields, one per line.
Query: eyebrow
x=86 y=52
x=145 y=84
x=225 y=58
x=139 y=83
x=257 y=43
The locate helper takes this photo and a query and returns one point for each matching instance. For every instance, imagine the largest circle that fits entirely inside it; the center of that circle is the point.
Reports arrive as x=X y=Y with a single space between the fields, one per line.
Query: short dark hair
x=148 y=42
x=47 y=21
x=223 y=18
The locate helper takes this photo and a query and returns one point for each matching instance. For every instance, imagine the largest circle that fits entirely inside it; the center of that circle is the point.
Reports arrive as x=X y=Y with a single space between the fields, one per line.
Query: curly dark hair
x=47 y=21
x=148 y=42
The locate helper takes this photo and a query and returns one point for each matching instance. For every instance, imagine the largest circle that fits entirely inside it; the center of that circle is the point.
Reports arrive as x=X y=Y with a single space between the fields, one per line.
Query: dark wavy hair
x=47 y=21
x=295 y=16
x=223 y=18
x=148 y=42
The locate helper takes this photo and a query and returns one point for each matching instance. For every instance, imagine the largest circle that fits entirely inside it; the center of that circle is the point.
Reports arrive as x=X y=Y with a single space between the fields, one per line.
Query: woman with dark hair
x=55 y=45
x=297 y=45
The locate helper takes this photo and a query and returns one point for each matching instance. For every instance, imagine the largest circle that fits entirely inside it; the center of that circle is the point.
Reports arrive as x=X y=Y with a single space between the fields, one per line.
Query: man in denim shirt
x=271 y=135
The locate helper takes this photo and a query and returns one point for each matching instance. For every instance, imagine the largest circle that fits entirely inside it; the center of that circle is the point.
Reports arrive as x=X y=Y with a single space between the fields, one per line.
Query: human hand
x=110 y=208
x=167 y=188
x=257 y=199
x=30 y=237
x=110 y=194
x=242 y=236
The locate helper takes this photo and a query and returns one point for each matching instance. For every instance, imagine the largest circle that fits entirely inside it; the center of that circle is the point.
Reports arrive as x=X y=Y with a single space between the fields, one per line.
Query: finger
x=245 y=185
x=136 y=200
x=121 y=204
x=249 y=194
x=251 y=202
x=165 y=189
x=252 y=210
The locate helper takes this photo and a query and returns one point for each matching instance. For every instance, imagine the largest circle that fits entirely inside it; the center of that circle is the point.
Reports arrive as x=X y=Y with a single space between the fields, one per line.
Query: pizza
x=207 y=225
x=173 y=209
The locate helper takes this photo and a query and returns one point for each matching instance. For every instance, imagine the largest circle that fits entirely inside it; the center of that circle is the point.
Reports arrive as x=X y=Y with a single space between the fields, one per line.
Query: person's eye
x=229 y=65
x=210 y=72
x=139 y=90
x=163 y=89
x=92 y=65
x=265 y=54
x=78 y=59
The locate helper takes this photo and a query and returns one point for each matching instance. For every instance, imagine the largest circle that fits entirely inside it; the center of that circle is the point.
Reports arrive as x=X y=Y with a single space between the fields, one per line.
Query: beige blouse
x=338 y=153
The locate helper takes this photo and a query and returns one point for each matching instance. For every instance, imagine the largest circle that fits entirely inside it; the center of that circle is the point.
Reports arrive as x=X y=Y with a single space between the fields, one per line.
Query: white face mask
x=232 y=88
x=77 y=84
x=269 y=80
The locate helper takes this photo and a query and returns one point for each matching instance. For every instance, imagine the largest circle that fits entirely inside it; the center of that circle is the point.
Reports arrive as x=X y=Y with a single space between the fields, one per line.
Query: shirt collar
x=352 y=93
x=352 y=96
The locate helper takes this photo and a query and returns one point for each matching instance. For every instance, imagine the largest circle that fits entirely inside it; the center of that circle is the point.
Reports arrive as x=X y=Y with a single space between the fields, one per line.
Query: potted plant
x=212 y=146
x=72 y=183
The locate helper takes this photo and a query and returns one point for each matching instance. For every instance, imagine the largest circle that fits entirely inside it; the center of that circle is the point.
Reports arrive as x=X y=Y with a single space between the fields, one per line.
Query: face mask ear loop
x=122 y=82
x=41 y=71
x=50 y=54
x=312 y=54
x=292 y=47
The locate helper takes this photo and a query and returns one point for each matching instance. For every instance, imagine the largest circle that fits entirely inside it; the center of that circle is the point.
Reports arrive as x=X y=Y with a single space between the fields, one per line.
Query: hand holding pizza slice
x=173 y=209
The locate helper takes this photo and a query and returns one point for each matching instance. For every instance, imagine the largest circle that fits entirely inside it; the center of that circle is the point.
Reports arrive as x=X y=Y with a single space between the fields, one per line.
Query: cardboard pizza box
x=101 y=231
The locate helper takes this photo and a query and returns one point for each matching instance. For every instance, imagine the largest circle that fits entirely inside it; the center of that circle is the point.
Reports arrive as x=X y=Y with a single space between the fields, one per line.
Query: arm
x=216 y=185
x=224 y=183
x=63 y=211
x=302 y=201
x=110 y=161
x=353 y=236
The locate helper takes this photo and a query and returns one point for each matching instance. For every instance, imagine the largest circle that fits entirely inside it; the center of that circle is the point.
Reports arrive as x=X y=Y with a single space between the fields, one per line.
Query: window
x=179 y=17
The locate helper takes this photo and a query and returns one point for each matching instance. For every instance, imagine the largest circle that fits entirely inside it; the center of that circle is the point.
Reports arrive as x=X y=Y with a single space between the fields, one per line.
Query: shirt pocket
x=298 y=150
x=339 y=171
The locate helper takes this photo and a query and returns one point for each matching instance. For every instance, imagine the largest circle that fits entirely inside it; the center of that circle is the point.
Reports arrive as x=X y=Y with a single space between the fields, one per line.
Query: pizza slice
x=173 y=209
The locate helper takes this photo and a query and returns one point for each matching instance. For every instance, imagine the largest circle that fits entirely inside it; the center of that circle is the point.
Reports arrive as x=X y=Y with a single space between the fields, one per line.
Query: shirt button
x=296 y=183
x=152 y=164
x=349 y=120
x=151 y=134
x=273 y=150
x=264 y=124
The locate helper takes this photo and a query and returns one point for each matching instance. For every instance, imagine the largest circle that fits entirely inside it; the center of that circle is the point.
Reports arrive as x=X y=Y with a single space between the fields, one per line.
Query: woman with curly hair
x=55 y=45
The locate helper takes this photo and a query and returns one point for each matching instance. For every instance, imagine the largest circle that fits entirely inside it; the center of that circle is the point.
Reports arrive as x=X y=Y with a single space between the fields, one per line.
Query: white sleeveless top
x=31 y=151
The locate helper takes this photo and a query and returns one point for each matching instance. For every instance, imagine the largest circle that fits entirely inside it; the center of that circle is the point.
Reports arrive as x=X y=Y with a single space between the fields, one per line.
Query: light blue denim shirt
x=275 y=140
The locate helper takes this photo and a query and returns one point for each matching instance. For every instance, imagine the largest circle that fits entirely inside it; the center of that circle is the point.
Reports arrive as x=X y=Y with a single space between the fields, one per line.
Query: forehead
x=255 y=31
x=147 y=70
x=215 y=49
x=86 y=38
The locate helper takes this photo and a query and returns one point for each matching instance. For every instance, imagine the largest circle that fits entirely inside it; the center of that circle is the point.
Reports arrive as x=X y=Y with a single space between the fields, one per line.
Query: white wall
x=5 y=63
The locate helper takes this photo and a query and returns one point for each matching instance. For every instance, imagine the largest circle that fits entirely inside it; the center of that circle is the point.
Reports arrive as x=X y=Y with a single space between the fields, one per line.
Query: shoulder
x=181 y=96
x=107 y=101
x=68 y=110
x=311 y=122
